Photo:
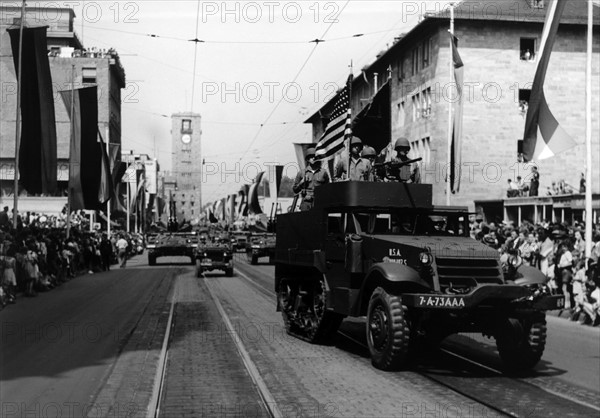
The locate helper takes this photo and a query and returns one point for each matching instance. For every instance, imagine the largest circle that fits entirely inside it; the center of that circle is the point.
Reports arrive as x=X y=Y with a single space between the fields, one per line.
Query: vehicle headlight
x=224 y=254
x=426 y=258
x=205 y=254
x=515 y=261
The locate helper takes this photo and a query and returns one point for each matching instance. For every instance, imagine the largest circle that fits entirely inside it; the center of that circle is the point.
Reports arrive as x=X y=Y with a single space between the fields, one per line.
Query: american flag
x=339 y=127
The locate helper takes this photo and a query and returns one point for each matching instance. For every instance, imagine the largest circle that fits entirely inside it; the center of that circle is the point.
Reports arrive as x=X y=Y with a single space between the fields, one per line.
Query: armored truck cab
x=384 y=251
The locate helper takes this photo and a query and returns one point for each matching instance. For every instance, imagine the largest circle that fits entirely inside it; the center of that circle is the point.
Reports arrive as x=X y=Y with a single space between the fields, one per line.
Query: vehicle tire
x=388 y=331
x=229 y=272
x=254 y=260
x=193 y=261
x=198 y=269
x=521 y=342
x=309 y=319
x=151 y=261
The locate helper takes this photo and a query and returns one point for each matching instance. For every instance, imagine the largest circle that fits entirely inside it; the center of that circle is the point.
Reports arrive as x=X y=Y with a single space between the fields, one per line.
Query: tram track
x=267 y=398
x=507 y=395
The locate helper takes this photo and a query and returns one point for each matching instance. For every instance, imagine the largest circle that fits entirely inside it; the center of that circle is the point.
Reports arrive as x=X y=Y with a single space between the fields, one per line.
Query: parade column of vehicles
x=384 y=251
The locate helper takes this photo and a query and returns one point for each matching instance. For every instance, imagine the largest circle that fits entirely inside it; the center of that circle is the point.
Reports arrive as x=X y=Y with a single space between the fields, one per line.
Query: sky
x=257 y=76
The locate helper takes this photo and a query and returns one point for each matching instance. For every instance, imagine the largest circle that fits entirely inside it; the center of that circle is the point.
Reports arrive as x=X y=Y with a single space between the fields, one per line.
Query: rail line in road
x=264 y=392
x=482 y=383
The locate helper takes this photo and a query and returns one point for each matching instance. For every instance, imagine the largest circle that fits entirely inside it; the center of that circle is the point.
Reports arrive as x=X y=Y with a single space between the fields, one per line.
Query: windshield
x=401 y=222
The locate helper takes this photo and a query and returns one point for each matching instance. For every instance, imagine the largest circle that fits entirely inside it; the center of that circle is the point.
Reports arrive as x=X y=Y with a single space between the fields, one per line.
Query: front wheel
x=229 y=272
x=198 y=269
x=521 y=342
x=151 y=261
x=388 y=332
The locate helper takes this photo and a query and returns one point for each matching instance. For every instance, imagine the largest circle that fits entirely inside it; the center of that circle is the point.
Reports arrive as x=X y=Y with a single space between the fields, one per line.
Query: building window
x=426 y=53
x=527 y=49
x=401 y=69
x=401 y=115
x=416 y=102
x=88 y=75
x=415 y=61
x=183 y=203
x=192 y=203
x=426 y=150
x=186 y=125
x=426 y=102
x=524 y=95
x=192 y=211
x=537 y=4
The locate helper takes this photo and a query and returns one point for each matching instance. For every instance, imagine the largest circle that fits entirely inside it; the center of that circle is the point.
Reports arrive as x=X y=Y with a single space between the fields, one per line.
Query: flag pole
x=349 y=139
x=18 y=124
x=108 y=203
x=588 y=135
x=449 y=145
x=69 y=190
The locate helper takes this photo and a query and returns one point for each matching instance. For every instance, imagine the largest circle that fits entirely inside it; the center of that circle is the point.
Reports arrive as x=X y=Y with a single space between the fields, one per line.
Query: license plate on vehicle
x=440 y=302
x=206 y=262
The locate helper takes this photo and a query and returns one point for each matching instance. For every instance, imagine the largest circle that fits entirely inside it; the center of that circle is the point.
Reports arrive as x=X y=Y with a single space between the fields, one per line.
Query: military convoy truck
x=383 y=251
x=171 y=244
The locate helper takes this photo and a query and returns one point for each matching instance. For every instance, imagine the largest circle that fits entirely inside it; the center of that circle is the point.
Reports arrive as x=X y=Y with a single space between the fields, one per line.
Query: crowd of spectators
x=37 y=255
x=558 y=250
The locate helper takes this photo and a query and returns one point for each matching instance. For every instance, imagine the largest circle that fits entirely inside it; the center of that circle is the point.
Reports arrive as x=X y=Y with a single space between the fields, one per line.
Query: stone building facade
x=498 y=43
x=70 y=63
x=186 y=165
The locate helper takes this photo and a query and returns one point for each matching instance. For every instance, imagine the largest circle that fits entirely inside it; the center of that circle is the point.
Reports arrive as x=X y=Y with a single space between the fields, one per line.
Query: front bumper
x=501 y=296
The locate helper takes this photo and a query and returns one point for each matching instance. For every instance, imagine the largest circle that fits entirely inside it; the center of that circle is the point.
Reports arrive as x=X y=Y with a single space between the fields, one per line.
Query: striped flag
x=456 y=143
x=339 y=127
x=552 y=139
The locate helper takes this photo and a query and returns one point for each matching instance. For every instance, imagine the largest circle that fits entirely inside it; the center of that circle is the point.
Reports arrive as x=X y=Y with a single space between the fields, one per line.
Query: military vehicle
x=260 y=245
x=239 y=240
x=384 y=251
x=171 y=244
x=214 y=254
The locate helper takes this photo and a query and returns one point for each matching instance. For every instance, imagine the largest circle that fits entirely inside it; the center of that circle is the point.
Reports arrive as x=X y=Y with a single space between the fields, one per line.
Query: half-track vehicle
x=214 y=254
x=260 y=245
x=383 y=251
x=239 y=240
x=171 y=244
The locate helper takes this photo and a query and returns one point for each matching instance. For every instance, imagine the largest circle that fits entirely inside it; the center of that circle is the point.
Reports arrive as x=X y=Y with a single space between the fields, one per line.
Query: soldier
x=309 y=178
x=360 y=168
x=370 y=154
x=409 y=173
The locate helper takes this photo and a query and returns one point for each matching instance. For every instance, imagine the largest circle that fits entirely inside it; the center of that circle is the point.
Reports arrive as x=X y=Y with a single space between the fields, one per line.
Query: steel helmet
x=356 y=141
x=368 y=152
x=402 y=142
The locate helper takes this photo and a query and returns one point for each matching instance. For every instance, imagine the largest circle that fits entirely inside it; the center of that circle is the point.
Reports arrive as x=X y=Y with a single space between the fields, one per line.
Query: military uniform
x=360 y=169
x=305 y=184
x=407 y=173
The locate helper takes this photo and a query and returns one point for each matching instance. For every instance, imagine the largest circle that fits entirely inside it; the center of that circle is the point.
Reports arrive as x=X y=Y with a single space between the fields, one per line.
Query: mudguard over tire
x=521 y=342
x=388 y=331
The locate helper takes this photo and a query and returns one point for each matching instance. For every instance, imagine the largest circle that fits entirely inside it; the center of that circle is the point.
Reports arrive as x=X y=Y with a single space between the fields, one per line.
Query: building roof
x=516 y=11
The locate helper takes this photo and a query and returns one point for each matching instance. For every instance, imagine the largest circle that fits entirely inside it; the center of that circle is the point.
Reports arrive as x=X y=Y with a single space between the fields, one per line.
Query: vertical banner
x=37 y=151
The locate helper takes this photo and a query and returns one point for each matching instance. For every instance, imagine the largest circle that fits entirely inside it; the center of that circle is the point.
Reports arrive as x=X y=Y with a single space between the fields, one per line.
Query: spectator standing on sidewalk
x=105 y=252
x=122 y=245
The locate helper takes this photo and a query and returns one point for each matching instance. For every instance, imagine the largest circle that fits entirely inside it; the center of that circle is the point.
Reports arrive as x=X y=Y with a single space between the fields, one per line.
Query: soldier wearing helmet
x=370 y=154
x=407 y=173
x=307 y=179
x=360 y=168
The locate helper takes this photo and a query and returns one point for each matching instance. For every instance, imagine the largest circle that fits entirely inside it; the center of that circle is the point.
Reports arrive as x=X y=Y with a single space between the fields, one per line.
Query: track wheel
x=521 y=342
x=388 y=332
x=304 y=311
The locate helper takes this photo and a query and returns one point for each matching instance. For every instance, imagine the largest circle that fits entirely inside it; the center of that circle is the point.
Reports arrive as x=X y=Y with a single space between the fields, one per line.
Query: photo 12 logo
x=269 y=11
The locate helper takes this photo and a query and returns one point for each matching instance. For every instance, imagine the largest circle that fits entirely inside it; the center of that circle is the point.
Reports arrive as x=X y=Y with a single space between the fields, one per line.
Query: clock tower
x=186 y=163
